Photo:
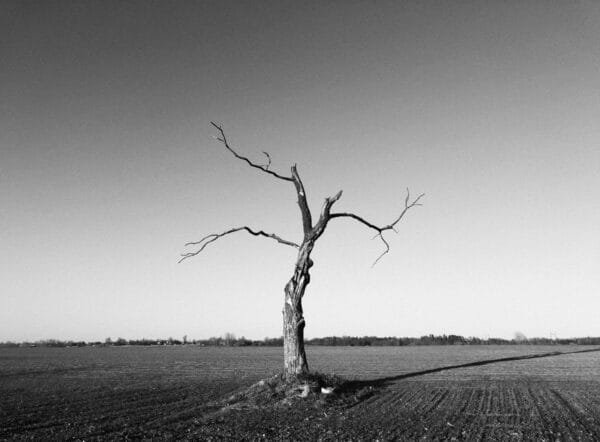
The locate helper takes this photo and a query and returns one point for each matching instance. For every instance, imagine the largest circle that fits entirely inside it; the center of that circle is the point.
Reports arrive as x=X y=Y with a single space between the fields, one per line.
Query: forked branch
x=407 y=206
x=214 y=236
x=264 y=168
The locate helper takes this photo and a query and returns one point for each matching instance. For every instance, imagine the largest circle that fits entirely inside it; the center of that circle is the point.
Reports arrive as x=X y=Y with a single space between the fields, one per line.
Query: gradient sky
x=108 y=166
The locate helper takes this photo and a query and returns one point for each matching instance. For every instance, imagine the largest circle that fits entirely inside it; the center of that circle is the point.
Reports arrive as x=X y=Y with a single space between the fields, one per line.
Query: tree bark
x=294 y=355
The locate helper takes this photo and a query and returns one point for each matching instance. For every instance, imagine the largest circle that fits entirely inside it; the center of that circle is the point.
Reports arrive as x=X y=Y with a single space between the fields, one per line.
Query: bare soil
x=547 y=395
x=410 y=410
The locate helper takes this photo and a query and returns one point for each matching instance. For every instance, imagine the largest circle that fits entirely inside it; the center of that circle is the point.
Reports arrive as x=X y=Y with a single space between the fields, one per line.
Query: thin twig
x=266 y=166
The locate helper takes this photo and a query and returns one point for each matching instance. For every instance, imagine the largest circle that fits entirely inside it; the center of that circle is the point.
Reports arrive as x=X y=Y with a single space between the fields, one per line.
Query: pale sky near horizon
x=108 y=166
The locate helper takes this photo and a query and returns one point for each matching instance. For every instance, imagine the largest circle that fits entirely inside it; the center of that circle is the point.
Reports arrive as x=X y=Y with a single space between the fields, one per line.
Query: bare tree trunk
x=294 y=356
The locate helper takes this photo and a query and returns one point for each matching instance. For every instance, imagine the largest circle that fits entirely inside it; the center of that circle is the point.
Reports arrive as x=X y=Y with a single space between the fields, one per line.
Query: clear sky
x=108 y=166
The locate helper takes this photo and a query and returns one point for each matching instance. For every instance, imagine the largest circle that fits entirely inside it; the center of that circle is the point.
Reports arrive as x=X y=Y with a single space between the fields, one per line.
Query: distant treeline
x=230 y=340
x=445 y=340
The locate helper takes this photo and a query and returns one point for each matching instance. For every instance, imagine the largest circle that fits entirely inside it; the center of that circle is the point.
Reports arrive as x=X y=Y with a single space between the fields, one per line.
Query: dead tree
x=295 y=362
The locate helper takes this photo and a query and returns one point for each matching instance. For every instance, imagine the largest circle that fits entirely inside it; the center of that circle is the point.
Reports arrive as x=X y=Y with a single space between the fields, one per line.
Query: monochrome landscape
x=359 y=220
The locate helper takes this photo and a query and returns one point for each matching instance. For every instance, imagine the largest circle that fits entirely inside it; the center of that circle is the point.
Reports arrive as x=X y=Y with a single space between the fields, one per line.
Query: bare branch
x=264 y=168
x=357 y=218
x=302 y=202
x=329 y=202
x=325 y=216
x=214 y=236
x=334 y=198
x=407 y=206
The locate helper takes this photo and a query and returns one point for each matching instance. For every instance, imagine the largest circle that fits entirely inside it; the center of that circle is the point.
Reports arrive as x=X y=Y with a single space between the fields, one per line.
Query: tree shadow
x=360 y=388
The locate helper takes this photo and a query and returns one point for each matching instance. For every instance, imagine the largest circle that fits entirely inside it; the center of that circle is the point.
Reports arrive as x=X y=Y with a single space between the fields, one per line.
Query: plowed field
x=471 y=393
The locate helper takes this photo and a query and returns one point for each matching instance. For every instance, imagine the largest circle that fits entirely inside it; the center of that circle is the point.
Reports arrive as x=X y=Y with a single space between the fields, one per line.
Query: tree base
x=278 y=391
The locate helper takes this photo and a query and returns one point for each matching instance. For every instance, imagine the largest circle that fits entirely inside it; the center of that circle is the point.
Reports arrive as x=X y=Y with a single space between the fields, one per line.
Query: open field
x=432 y=392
